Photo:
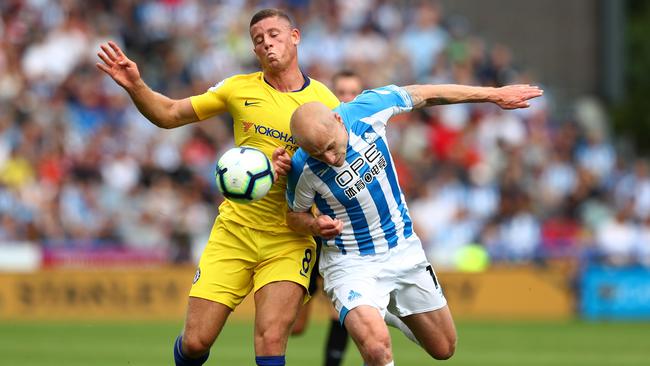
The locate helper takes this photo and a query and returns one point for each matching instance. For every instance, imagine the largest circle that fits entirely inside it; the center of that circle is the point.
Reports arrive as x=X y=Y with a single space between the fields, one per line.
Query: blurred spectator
x=79 y=166
x=616 y=239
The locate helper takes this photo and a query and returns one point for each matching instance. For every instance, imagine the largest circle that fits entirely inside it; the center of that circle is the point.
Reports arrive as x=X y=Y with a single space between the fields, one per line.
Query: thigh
x=365 y=322
x=225 y=272
x=204 y=321
x=278 y=301
x=434 y=330
x=276 y=308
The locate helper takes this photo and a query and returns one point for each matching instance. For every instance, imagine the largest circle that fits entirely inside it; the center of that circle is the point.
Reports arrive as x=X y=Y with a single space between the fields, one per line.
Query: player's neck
x=287 y=80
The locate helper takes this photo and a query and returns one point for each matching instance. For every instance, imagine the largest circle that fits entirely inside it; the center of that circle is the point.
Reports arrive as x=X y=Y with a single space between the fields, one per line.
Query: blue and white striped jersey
x=364 y=193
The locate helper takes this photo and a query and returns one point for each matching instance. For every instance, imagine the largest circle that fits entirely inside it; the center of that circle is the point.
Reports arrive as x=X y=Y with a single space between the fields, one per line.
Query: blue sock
x=181 y=360
x=269 y=360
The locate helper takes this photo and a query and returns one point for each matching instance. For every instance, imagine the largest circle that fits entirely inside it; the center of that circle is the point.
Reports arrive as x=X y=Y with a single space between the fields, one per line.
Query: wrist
x=137 y=87
x=493 y=95
x=313 y=228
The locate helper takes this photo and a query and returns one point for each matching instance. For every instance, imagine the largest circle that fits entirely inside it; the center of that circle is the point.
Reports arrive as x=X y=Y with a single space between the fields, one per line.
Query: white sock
x=395 y=322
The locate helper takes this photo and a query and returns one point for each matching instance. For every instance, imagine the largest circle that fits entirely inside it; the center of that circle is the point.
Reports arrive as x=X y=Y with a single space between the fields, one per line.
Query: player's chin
x=273 y=62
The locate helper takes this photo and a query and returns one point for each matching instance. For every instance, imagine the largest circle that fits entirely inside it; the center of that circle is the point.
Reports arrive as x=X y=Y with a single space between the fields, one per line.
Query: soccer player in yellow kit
x=250 y=246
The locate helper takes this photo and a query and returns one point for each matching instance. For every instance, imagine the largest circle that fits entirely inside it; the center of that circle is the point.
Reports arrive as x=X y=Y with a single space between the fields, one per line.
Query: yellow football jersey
x=261 y=117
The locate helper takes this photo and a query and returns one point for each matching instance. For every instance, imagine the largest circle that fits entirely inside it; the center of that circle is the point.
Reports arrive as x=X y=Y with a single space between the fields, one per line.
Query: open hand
x=516 y=96
x=118 y=66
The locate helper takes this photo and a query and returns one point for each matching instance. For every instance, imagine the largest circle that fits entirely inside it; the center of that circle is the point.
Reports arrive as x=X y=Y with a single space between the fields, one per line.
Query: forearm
x=428 y=95
x=301 y=222
x=161 y=110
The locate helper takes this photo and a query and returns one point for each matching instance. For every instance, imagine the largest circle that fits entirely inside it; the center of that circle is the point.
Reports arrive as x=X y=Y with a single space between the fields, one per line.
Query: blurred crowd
x=80 y=167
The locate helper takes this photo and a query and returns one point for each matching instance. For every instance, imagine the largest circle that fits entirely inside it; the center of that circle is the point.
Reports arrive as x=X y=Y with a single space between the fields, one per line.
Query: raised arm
x=506 y=97
x=162 y=111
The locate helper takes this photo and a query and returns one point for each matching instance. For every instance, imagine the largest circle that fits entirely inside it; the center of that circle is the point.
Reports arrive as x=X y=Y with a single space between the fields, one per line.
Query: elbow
x=166 y=126
x=166 y=123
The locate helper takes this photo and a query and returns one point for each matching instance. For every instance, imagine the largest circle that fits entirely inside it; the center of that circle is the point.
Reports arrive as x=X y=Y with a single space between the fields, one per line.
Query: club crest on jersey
x=197 y=275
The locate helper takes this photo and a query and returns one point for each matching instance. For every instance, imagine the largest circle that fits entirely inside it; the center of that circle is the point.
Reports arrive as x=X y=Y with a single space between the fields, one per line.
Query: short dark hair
x=345 y=73
x=271 y=12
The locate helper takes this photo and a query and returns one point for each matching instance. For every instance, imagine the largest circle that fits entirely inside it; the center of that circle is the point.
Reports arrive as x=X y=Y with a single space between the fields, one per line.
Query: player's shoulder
x=386 y=90
x=322 y=93
x=378 y=99
x=240 y=79
x=317 y=84
x=299 y=161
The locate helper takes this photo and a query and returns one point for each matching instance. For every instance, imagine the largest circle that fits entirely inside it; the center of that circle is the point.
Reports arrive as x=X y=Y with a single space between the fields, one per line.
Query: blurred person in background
x=346 y=85
x=250 y=246
x=75 y=124
x=372 y=261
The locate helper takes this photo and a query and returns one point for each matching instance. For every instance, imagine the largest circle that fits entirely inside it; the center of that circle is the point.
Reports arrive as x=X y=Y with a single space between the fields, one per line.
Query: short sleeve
x=300 y=195
x=390 y=97
x=214 y=101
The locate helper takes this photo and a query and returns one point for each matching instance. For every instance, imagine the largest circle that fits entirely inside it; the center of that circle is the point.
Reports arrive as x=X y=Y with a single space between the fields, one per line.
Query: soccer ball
x=244 y=174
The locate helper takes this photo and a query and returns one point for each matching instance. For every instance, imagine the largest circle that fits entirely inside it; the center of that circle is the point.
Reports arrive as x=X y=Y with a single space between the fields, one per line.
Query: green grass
x=480 y=343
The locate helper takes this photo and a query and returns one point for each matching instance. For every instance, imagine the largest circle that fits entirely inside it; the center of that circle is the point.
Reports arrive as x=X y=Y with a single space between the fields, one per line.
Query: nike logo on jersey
x=247 y=103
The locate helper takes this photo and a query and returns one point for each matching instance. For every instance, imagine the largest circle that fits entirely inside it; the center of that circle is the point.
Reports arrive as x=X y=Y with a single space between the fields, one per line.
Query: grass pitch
x=480 y=343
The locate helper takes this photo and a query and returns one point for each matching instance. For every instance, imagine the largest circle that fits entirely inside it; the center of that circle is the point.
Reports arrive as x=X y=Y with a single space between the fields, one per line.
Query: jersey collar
x=304 y=85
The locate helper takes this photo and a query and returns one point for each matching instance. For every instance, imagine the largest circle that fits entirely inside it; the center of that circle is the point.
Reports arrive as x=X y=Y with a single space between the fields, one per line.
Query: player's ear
x=338 y=117
x=295 y=36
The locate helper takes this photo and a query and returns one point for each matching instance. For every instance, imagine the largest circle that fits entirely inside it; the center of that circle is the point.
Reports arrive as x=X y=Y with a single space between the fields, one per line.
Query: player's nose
x=332 y=158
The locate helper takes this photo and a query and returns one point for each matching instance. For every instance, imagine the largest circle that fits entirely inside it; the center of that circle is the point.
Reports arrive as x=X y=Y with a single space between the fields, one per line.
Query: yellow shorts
x=238 y=259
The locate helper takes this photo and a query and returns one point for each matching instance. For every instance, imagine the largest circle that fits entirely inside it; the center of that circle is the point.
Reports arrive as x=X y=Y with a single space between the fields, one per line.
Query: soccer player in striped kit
x=371 y=260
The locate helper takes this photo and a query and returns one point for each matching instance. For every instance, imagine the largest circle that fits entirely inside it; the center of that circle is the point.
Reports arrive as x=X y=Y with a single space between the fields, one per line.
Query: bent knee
x=272 y=340
x=377 y=350
x=299 y=328
x=444 y=351
x=195 y=346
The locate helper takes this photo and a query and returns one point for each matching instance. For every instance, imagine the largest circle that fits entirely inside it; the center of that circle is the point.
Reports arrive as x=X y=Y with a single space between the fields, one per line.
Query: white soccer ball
x=244 y=174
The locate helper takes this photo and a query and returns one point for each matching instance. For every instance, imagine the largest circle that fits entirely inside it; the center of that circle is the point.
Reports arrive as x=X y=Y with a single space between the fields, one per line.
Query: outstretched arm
x=160 y=110
x=506 y=97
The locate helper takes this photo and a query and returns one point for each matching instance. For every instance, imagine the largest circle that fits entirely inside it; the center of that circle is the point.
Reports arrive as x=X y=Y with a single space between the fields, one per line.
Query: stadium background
x=537 y=220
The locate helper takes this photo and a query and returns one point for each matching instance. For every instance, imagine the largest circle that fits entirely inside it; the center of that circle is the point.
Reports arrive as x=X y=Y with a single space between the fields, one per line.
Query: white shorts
x=400 y=281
